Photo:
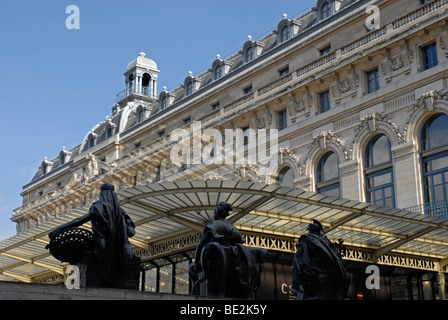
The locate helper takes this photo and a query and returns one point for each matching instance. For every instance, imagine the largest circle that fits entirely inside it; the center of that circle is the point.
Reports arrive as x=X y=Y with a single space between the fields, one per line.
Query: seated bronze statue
x=223 y=266
x=319 y=273
x=109 y=260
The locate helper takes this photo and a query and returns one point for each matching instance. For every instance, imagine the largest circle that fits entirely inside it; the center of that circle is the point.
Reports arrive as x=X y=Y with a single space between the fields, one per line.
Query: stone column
x=350 y=177
x=407 y=182
x=441 y=284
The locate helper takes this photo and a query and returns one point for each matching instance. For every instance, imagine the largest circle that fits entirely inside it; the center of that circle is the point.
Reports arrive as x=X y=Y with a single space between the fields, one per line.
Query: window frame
x=324 y=96
x=282 y=117
x=323 y=186
x=429 y=56
x=372 y=170
x=428 y=154
x=371 y=88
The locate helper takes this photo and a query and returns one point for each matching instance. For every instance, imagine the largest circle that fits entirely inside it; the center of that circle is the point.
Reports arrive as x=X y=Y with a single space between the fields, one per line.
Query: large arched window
x=285 y=177
x=327 y=175
x=379 y=172
x=434 y=145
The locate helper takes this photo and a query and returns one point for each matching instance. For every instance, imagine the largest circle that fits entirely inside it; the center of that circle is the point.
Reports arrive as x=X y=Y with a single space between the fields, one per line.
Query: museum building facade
x=360 y=112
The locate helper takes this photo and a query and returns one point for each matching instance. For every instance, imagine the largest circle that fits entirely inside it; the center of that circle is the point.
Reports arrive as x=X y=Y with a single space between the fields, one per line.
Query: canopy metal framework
x=170 y=217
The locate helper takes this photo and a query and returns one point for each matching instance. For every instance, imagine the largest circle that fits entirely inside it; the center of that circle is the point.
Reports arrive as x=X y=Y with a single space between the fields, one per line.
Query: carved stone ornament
x=345 y=87
x=392 y=66
x=444 y=42
x=429 y=100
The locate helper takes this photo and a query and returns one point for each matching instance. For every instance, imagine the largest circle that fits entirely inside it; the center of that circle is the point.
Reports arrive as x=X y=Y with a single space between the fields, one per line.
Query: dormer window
x=140 y=115
x=45 y=166
x=64 y=156
x=163 y=103
x=286 y=29
x=325 y=11
x=165 y=99
x=219 y=68
x=91 y=142
x=284 y=36
x=189 y=89
x=217 y=73
x=251 y=50
x=326 y=8
x=249 y=54
x=191 y=84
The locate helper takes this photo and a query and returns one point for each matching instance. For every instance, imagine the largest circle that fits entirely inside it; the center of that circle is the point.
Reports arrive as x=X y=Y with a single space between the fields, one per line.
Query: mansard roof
x=124 y=120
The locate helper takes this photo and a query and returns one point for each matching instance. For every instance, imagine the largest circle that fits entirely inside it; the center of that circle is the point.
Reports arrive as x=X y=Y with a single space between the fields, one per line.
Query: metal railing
x=435 y=209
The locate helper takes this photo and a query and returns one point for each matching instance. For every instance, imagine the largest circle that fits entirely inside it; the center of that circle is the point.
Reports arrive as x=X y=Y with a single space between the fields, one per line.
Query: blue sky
x=56 y=84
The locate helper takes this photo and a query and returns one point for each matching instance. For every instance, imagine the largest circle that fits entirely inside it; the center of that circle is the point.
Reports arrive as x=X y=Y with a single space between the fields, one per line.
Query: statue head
x=222 y=210
x=315 y=227
x=107 y=194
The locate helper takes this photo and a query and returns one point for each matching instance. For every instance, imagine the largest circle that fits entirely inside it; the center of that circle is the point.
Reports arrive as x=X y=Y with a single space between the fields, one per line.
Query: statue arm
x=206 y=237
x=130 y=226
x=72 y=224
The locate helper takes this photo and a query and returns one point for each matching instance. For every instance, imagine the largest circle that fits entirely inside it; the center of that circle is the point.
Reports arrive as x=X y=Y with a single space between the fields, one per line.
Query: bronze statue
x=109 y=261
x=223 y=266
x=319 y=273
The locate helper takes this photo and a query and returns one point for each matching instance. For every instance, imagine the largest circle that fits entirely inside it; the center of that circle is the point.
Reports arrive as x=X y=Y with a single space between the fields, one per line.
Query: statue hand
x=53 y=233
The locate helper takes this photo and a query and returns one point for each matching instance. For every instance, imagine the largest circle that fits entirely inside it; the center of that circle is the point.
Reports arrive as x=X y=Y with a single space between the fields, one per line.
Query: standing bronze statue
x=108 y=258
x=223 y=266
x=319 y=273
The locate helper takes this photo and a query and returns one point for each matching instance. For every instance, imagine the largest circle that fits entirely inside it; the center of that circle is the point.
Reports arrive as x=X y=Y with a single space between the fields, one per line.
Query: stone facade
x=316 y=56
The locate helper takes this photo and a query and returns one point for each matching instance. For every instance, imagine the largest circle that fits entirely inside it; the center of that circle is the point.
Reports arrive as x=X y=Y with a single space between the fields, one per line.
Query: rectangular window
x=161 y=133
x=215 y=106
x=187 y=121
x=282 y=120
x=246 y=135
x=325 y=51
x=284 y=71
x=247 y=90
x=429 y=56
x=372 y=81
x=324 y=101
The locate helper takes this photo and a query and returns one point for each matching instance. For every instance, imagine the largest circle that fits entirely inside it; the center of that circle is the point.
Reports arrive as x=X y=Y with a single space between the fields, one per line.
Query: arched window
x=285 y=177
x=217 y=72
x=284 y=35
x=91 y=142
x=379 y=172
x=189 y=88
x=109 y=132
x=140 y=115
x=249 y=54
x=435 y=164
x=325 y=10
x=163 y=104
x=327 y=175
x=131 y=88
x=62 y=158
x=146 y=82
